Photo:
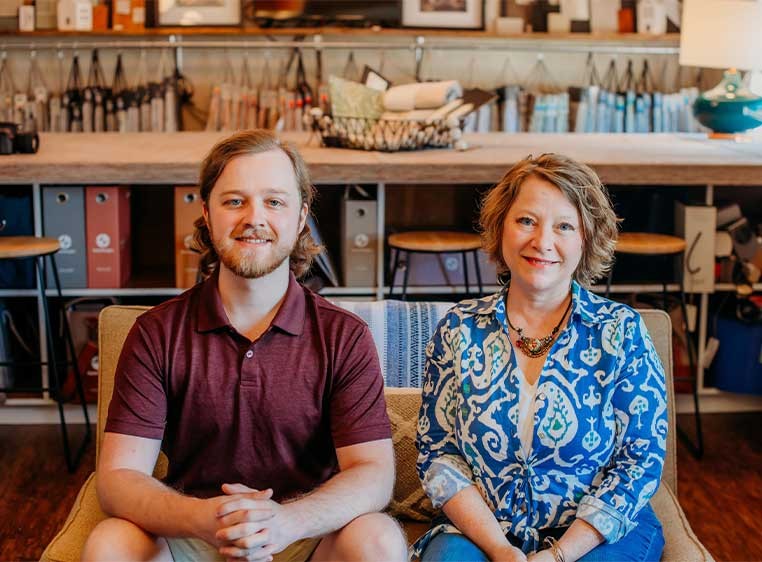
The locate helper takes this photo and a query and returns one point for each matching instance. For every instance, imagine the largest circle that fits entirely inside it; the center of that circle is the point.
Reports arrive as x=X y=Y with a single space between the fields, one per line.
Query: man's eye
x=276 y=203
x=233 y=203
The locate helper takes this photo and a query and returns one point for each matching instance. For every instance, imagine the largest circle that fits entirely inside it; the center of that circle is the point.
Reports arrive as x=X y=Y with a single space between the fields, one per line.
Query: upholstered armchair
x=401 y=331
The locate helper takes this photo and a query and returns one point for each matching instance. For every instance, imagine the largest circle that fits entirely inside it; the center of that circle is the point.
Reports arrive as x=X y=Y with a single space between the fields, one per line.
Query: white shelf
x=414 y=290
x=732 y=287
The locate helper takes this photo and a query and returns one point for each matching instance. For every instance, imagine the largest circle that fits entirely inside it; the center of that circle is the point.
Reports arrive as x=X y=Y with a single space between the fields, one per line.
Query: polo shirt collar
x=212 y=315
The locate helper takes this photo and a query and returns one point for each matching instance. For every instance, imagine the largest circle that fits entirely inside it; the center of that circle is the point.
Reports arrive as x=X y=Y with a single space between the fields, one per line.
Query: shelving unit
x=669 y=39
x=146 y=159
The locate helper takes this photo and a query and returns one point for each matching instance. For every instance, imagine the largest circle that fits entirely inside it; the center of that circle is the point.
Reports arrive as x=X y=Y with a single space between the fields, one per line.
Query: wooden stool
x=434 y=242
x=17 y=247
x=669 y=247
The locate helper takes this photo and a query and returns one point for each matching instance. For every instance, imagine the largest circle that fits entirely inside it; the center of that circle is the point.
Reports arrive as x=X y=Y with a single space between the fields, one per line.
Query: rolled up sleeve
x=442 y=469
x=640 y=409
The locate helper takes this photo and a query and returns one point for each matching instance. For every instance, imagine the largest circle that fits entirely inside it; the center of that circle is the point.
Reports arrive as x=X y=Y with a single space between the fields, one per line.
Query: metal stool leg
x=697 y=447
x=393 y=274
x=464 y=256
x=75 y=364
x=55 y=378
x=55 y=382
x=408 y=256
x=478 y=273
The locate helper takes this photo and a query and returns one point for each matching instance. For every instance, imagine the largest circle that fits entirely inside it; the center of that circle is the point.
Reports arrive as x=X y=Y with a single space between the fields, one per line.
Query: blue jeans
x=643 y=544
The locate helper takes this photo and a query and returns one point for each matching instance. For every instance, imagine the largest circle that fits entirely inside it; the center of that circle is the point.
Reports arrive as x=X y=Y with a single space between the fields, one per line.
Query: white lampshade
x=721 y=34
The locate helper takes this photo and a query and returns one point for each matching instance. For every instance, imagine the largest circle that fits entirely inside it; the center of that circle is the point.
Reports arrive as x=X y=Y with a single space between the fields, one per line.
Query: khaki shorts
x=193 y=550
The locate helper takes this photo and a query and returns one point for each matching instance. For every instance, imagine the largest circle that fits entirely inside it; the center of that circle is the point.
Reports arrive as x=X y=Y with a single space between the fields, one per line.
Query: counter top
x=160 y=158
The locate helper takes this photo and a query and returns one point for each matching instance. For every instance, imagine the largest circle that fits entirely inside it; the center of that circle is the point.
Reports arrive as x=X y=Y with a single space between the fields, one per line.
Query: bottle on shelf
x=26 y=16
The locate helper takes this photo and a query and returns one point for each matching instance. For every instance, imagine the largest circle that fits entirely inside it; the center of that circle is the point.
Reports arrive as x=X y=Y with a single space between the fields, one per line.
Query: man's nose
x=255 y=214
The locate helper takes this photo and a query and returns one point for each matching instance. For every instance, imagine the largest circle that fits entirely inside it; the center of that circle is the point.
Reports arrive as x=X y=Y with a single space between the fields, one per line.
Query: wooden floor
x=721 y=494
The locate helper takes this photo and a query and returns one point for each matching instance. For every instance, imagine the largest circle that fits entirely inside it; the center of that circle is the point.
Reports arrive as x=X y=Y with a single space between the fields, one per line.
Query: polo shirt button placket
x=249 y=354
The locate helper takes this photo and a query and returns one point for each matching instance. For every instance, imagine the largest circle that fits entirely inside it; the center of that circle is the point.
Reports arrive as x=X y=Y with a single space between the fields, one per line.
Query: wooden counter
x=146 y=158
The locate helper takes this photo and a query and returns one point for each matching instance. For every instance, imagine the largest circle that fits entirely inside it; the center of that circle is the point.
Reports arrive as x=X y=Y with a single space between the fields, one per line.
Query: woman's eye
x=526 y=221
x=566 y=227
x=233 y=203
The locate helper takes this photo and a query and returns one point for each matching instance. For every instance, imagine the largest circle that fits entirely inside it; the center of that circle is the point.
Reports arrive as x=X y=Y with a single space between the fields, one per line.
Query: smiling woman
x=557 y=438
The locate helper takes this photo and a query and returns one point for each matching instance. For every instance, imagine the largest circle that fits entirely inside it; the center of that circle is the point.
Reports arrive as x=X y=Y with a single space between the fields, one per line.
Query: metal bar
x=380 y=238
x=44 y=370
x=417 y=46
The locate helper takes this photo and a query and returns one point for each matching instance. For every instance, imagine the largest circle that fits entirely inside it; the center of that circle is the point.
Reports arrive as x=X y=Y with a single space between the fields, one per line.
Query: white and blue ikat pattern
x=600 y=425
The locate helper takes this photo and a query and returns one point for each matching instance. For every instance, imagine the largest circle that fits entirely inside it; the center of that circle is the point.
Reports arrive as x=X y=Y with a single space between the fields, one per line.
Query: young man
x=267 y=399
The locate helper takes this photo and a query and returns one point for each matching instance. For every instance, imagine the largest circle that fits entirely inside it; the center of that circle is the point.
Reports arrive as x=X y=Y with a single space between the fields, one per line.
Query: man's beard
x=249 y=266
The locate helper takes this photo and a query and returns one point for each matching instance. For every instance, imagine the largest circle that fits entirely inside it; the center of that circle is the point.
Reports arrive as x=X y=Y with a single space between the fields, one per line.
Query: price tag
x=139 y=16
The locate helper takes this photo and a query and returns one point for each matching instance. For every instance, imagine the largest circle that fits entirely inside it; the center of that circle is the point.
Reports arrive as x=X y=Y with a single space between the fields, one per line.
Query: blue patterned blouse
x=600 y=425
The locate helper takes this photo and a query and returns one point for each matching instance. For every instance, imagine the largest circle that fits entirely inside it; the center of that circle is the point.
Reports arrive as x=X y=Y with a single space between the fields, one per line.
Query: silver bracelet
x=555 y=549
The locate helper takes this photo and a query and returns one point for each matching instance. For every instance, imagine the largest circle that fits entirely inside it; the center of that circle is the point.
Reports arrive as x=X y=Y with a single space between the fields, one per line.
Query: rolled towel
x=424 y=95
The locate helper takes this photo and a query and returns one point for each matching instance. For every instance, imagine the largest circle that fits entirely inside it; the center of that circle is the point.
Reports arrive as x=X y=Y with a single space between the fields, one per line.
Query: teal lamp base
x=730 y=107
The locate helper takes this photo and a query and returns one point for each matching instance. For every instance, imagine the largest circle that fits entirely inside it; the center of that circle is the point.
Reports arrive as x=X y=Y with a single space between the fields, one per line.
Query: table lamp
x=725 y=34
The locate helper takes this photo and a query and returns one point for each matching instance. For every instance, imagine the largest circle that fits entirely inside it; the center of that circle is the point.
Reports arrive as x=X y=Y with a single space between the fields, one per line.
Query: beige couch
x=409 y=503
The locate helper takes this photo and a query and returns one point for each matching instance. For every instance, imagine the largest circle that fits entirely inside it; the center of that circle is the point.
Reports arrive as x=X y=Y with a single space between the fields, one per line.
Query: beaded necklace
x=536 y=347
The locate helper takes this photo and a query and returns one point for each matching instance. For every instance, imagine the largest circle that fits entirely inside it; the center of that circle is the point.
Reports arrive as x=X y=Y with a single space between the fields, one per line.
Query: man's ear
x=205 y=213
x=303 y=217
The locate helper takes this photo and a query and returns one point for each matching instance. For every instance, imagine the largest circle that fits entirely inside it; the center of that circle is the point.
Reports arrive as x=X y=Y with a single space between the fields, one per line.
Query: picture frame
x=451 y=14
x=198 y=12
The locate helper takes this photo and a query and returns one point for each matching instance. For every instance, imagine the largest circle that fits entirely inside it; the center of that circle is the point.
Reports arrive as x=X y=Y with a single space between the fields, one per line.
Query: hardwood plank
x=721 y=494
x=36 y=491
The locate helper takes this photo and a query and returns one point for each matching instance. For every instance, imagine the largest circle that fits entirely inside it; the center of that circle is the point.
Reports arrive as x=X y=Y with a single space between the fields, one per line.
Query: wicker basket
x=381 y=134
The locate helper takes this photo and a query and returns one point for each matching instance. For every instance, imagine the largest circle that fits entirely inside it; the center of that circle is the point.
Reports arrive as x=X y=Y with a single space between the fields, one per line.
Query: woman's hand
x=541 y=556
x=507 y=553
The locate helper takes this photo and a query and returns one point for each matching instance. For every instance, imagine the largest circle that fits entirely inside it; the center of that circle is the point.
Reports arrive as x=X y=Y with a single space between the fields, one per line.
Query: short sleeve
x=139 y=404
x=357 y=405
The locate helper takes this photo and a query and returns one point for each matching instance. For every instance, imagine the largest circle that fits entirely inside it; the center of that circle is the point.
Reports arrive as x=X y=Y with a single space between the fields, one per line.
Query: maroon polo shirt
x=268 y=414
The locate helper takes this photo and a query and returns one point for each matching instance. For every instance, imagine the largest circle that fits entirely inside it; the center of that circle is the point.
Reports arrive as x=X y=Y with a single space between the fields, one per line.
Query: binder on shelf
x=109 y=245
x=187 y=210
x=16 y=220
x=63 y=217
x=359 y=239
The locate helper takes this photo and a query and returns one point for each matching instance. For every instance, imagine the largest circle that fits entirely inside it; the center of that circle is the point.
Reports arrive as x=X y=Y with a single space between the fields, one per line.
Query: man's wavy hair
x=581 y=186
x=244 y=143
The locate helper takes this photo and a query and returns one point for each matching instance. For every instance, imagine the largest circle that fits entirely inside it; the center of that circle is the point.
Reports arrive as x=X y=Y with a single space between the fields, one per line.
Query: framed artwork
x=198 y=12
x=455 y=14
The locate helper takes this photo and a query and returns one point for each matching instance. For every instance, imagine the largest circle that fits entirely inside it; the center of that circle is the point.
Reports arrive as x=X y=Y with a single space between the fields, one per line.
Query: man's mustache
x=260 y=233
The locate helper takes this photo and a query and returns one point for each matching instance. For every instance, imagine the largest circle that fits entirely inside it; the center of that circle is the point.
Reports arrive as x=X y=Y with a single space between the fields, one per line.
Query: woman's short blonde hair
x=581 y=186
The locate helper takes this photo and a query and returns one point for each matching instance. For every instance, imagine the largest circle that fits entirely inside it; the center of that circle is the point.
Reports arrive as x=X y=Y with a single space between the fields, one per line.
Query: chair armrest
x=86 y=513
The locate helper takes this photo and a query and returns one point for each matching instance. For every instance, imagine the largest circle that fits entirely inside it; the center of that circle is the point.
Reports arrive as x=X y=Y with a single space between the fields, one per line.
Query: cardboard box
x=109 y=246
x=128 y=15
x=63 y=217
x=46 y=14
x=187 y=210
